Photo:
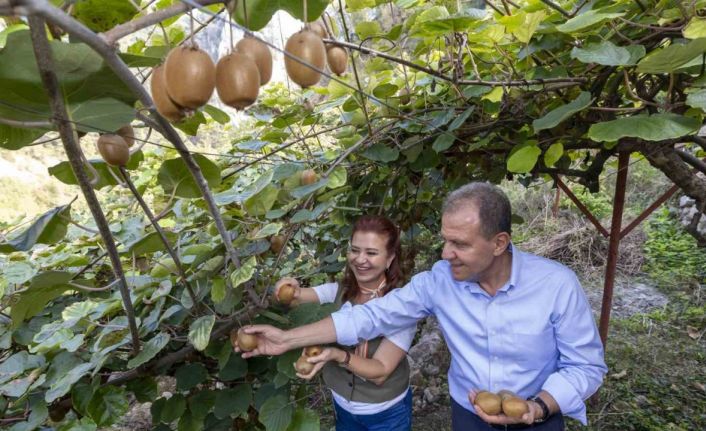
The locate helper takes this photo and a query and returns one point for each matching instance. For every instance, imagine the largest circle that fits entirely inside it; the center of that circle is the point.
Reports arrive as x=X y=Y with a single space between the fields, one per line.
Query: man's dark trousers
x=464 y=420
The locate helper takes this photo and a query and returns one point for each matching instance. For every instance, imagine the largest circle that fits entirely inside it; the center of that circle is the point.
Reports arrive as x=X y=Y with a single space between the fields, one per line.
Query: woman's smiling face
x=368 y=258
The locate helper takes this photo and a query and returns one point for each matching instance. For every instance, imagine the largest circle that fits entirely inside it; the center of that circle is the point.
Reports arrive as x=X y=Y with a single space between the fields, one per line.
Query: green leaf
x=337 y=178
x=173 y=175
x=443 y=142
x=63 y=172
x=14 y=138
x=523 y=25
x=151 y=243
x=556 y=116
x=697 y=99
x=696 y=28
x=149 y=350
x=218 y=115
x=174 y=407
x=235 y=368
x=608 y=54
x=102 y=15
x=553 y=154
x=381 y=153
x=43 y=288
x=233 y=402
x=302 y=191
x=268 y=230
x=461 y=119
x=63 y=385
x=262 y=202
x=260 y=12
x=49 y=228
x=366 y=29
x=18 y=272
x=523 y=159
x=655 y=127
x=669 y=59
x=144 y=388
x=384 y=91
x=200 y=331
x=218 y=290
x=190 y=375
x=190 y=422
x=244 y=273
x=585 y=20
x=305 y=420
x=108 y=405
x=276 y=413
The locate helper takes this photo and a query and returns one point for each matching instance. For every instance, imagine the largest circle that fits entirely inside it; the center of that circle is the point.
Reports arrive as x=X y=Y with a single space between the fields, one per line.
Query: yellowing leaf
x=696 y=28
x=494 y=96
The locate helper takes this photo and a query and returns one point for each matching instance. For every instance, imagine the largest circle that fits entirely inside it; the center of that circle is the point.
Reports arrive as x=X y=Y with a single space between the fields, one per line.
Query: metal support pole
x=613 y=244
x=649 y=210
x=580 y=206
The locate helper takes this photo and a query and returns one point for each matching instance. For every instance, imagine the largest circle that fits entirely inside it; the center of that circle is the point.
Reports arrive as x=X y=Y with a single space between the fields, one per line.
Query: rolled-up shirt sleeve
x=581 y=364
x=396 y=310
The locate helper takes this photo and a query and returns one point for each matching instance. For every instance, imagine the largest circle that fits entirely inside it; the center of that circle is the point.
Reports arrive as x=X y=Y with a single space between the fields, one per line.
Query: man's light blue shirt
x=536 y=333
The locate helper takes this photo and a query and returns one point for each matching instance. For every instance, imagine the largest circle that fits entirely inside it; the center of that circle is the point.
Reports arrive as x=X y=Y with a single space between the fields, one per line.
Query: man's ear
x=502 y=241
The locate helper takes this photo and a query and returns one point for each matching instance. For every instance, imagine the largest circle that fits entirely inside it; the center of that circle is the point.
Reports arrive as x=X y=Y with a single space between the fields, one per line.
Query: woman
x=370 y=383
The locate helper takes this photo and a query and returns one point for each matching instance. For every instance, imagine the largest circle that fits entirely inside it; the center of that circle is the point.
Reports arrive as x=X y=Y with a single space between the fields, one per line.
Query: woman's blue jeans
x=396 y=418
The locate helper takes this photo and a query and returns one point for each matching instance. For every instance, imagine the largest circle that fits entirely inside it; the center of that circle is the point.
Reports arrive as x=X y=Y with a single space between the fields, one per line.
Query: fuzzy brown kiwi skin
x=127 y=133
x=190 y=76
x=303 y=366
x=164 y=104
x=337 y=59
x=309 y=177
x=237 y=80
x=308 y=47
x=113 y=149
x=318 y=28
x=260 y=54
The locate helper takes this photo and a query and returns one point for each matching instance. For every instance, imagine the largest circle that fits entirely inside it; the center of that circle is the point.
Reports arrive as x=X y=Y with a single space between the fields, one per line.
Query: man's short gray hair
x=493 y=206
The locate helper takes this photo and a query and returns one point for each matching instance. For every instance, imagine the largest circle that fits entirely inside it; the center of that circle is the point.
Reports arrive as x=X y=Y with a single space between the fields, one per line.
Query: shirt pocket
x=534 y=349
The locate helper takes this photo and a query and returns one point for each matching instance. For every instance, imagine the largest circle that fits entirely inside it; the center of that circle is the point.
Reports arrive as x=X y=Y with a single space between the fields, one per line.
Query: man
x=511 y=320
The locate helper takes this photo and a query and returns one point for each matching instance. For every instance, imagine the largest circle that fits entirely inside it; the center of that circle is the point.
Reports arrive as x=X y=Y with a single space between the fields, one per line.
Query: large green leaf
x=669 y=59
x=260 y=12
x=696 y=28
x=151 y=243
x=259 y=204
x=305 y=420
x=556 y=116
x=149 y=350
x=381 y=153
x=276 y=413
x=49 y=228
x=102 y=15
x=586 y=20
x=174 y=175
x=63 y=172
x=108 y=405
x=244 y=272
x=648 y=127
x=608 y=54
x=190 y=375
x=233 y=401
x=200 y=331
x=43 y=288
x=14 y=138
x=523 y=159
x=697 y=99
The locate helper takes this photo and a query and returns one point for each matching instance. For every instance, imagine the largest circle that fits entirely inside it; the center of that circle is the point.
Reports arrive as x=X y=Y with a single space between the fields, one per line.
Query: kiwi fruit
x=127 y=133
x=337 y=59
x=489 y=402
x=276 y=243
x=260 y=54
x=515 y=407
x=234 y=338
x=246 y=342
x=312 y=351
x=503 y=394
x=308 y=177
x=190 y=76
x=113 y=149
x=164 y=104
x=306 y=46
x=319 y=28
x=285 y=294
x=237 y=80
x=302 y=366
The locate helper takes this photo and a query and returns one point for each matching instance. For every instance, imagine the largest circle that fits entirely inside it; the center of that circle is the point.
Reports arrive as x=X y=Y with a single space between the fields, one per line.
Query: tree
x=437 y=94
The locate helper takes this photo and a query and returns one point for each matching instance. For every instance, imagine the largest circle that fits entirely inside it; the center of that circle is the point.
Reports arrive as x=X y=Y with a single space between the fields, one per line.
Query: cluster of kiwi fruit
x=245 y=342
x=188 y=77
x=302 y=365
x=115 y=147
x=308 y=46
x=505 y=402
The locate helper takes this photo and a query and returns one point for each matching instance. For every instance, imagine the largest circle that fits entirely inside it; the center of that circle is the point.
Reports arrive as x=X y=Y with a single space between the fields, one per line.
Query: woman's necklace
x=373 y=293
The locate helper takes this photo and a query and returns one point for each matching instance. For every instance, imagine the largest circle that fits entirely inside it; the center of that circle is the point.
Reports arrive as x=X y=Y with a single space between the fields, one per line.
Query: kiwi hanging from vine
x=259 y=53
x=190 y=76
x=164 y=104
x=237 y=80
x=127 y=133
x=318 y=28
x=308 y=47
x=337 y=58
x=113 y=149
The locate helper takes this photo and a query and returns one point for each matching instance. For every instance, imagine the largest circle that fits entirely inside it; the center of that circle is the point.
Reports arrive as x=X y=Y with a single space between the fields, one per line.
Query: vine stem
x=110 y=56
x=160 y=232
x=45 y=63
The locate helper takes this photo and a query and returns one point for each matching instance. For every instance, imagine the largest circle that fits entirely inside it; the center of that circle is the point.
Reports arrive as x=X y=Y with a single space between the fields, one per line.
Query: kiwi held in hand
x=507 y=394
x=337 y=58
x=237 y=80
x=285 y=294
x=515 y=407
x=302 y=366
x=246 y=342
x=308 y=47
x=190 y=76
x=277 y=243
x=127 y=133
x=260 y=54
x=312 y=351
x=164 y=104
x=489 y=402
x=309 y=177
x=113 y=149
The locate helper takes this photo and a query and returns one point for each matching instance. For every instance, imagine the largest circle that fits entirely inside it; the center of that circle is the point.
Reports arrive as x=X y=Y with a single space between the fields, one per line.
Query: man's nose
x=446 y=252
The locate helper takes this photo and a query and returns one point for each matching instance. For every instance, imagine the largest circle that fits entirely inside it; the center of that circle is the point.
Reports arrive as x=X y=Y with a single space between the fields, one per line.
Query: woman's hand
x=271 y=341
x=326 y=355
